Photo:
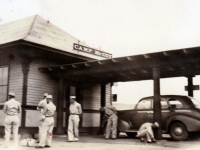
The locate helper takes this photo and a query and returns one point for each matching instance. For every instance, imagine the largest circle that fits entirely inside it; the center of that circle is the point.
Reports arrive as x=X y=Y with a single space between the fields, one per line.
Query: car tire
x=178 y=131
x=131 y=134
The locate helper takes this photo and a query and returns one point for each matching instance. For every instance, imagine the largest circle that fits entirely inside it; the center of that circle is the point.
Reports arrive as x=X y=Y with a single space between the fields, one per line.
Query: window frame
x=7 y=84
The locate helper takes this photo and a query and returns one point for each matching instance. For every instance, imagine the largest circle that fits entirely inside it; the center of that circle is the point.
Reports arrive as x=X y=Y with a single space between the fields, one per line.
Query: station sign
x=91 y=51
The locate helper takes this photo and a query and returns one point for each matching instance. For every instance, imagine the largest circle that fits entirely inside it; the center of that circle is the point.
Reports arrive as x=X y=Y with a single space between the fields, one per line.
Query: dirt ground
x=97 y=142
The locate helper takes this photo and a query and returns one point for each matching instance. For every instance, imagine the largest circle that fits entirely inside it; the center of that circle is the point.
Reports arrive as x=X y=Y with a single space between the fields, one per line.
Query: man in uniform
x=74 y=110
x=146 y=131
x=40 y=107
x=11 y=108
x=48 y=124
x=111 y=115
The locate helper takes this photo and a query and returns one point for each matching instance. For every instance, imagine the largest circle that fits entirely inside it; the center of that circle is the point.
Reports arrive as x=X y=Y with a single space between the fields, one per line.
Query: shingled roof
x=37 y=30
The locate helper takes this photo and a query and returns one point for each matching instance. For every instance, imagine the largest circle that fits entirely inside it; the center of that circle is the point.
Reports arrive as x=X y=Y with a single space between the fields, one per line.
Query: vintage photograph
x=100 y=74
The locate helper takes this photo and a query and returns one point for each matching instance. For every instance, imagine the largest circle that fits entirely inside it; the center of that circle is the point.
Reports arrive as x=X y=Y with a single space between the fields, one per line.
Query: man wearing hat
x=48 y=124
x=40 y=107
x=11 y=108
x=146 y=131
x=112 y=119
x=73 y=124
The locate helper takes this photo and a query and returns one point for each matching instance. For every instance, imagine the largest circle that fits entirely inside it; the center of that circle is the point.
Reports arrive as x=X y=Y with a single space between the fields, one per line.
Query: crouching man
x=48 y=124
x=146 y=131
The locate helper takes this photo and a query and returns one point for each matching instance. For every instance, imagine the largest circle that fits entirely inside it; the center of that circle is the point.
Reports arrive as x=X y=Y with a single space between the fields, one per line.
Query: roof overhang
x=173 y=63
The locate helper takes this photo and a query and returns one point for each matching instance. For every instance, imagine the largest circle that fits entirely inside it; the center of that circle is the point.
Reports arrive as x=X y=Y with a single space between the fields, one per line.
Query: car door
x=142 y=113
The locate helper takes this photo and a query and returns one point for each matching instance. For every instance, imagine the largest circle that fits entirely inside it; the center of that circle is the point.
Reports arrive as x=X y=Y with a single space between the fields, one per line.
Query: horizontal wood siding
x=16 y=78
x=108 y=94
x=40 y=83
x=92 y=97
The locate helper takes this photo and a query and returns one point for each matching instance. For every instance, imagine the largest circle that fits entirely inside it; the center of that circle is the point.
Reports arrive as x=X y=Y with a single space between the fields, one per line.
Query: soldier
x=48 y=124
x=111 y=114
x=146 y=131
x=40 y=107
x=74 y=110
x=11 y=108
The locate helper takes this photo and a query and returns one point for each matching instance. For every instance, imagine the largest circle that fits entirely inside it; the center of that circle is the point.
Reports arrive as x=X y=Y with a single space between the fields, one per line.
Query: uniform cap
x=46 y=94
x=73 y=97
x=50 y=96
x=11 y=94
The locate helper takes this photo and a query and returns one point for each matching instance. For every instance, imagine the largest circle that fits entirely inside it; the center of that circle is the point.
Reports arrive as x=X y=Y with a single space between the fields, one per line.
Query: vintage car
x=180 y=116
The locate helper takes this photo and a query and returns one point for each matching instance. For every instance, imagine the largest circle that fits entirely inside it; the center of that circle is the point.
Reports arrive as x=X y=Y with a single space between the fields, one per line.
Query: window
x=3 y=84
x=164 y=104
x=175 y=103
x=144 y=104
x=114 y=97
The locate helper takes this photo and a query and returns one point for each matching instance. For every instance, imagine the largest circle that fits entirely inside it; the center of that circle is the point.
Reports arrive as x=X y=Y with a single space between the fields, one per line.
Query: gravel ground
x=97 y=142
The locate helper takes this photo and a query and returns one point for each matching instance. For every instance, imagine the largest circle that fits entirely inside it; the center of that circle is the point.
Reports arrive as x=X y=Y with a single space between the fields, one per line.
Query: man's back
x=12 y=107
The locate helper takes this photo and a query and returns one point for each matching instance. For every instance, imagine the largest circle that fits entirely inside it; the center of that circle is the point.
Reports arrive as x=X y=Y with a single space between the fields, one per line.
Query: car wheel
x=131 y=134
x=178 y=131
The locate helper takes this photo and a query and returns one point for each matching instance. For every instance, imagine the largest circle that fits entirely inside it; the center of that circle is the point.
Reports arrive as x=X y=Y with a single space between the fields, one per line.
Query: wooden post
x=25 y=61
x=103 y=102
x=60 y=106
x=190 y=86
x=67 y=90
x=156 y=104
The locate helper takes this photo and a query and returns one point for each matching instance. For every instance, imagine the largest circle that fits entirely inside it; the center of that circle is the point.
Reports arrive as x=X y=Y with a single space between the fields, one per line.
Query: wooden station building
x=37 y=57
x=31 y=43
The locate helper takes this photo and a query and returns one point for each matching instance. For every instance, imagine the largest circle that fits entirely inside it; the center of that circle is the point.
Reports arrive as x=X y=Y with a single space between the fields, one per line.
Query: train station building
x=37 y=57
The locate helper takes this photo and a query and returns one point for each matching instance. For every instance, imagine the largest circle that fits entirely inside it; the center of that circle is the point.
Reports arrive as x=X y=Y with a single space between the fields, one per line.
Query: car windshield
x=195 y=102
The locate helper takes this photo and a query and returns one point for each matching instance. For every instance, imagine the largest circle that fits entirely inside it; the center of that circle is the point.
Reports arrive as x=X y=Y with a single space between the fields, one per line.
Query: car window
x=144 y=104
x=164 y=104
x=195 y=102
x=175 y=103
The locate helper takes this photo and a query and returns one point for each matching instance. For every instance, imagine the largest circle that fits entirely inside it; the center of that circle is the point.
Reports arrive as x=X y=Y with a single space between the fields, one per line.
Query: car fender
x=191 y=124
x=123 y=125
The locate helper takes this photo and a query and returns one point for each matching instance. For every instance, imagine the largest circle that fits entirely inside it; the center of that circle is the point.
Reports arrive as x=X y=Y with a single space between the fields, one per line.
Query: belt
x=12 y=115
x=49 y=116
x=74 y=114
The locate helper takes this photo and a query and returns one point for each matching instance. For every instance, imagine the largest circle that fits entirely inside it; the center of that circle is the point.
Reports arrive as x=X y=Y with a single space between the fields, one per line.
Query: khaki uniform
x=47 y=125
x=73 y=124
x=11 y=108
x=41 y=106
x=111 y=114
x=145 y=131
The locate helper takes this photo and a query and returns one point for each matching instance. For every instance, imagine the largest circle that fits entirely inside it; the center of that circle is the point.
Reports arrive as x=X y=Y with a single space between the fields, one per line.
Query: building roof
x=173 y=63
x=41 y=32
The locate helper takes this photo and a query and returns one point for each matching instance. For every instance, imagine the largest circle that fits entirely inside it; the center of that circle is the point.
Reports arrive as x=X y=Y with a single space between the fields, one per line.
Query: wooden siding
x=92 y=97
x=40 y=83
x=108 y=94
x=16 y=78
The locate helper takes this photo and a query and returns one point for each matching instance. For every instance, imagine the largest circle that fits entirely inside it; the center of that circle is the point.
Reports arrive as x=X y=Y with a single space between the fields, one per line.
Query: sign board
x=91 y=51
x=195 y=87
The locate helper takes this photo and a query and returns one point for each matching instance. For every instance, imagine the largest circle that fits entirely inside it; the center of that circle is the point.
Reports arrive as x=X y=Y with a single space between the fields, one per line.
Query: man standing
x=111 y=114
x=48 y=124
x=146 y=131
x=11 y=108
x=40 y=107
x=74 y=110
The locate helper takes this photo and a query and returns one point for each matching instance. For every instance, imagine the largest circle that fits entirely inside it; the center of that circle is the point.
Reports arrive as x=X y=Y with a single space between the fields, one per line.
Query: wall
x=40 y=83
x=92 y=104
x=16 y=78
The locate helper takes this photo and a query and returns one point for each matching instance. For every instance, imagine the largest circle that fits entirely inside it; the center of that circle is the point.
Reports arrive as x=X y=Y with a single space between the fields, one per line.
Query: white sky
x=121 y=27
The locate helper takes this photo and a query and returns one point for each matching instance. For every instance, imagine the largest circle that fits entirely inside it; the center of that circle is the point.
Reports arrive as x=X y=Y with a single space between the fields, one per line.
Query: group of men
x=145 y=132
x=47 y=109
x=12 y=109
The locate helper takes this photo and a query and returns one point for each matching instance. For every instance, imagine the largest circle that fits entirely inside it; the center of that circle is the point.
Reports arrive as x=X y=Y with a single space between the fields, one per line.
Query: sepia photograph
x=100 y=74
